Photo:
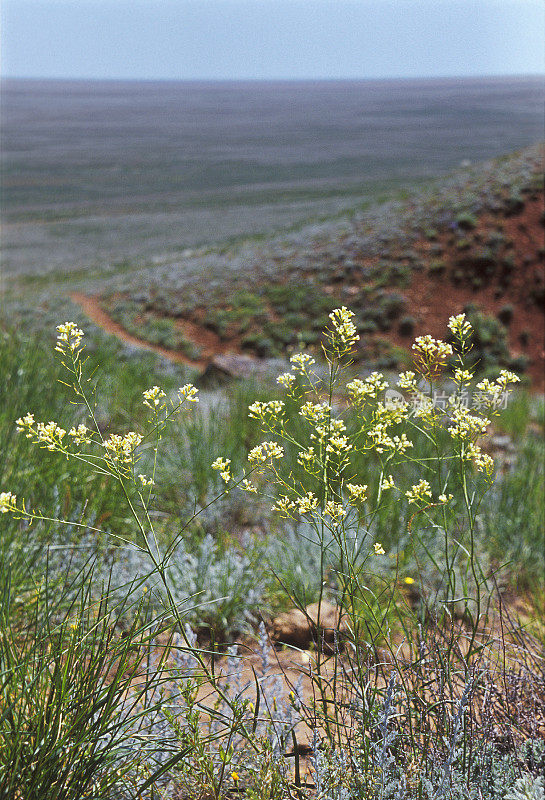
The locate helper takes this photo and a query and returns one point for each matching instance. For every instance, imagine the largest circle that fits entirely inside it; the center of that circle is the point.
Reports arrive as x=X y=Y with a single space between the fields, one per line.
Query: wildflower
x=407 y=380
x=264 y=451
x=286 y=379
x=315 y=412
x=247 y=486
x=121 y=448
x=153 y=397
x=267 y=412
x=284 y=505
x=409 y=581
x=362 y=391
x=459 y=326
x=189 y=393
x=506 y=377
x=8 y=502
x=482 y=461
x=235 y=776
x=492 y=393
x=334 y=510
x=462 y=375
x=301 y=361
x=145 y=481
x=306 y=457
x=307 y=503
x=419 y=493
x=423 y=406
x=379 y=549
x=357 y=492
x=466 y=426
x=445 y=498
x=222 y=465
x=383 y=441
x=49 y=434
x=338 y=445
x=387 y=483
x=343 y=334
x=80 y=435
x=69 y=338
x=24 y=424
x=430 y=355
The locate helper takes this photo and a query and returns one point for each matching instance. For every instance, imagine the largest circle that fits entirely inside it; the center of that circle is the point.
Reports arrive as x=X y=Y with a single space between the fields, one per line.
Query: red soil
x=430 y=298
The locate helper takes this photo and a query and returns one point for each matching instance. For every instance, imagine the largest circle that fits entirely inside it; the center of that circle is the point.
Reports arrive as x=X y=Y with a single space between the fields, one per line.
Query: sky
x=271 y=39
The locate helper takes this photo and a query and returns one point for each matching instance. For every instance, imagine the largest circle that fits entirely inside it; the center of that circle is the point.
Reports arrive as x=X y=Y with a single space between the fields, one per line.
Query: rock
x=300 y=629
x=292 y=627
x=223 y=368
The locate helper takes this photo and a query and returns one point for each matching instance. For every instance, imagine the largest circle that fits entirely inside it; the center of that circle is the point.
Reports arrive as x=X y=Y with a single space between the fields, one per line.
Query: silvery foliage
x=208 y=585
x=527 y=787
x=302 y=549
x=371 y=767
x=158 y=735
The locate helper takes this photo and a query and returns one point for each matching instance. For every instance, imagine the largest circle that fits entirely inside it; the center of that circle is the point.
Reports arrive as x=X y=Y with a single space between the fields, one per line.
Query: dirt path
x=91 y=307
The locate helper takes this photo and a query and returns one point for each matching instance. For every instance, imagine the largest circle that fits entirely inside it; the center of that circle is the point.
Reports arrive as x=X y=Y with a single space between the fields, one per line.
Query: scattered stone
x=300 y=629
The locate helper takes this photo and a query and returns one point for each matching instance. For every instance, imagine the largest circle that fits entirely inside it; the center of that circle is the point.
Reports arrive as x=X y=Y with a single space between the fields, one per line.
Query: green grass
x=74 y=631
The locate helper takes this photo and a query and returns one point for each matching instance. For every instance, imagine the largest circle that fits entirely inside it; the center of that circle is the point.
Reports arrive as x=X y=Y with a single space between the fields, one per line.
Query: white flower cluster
x=301 y=361
x=262 y=452
x=482 y=461
x=307 y=457
x=420 y=492
x=153 y=397
x=326 y=428
x=69 y=338
x=268 y=412
x=462 y=376
x=357 y=492
x=223 y=466
x=387 y=483
x=286 y=379
x=25 y=425
x=305 y=504
x=338 y=446
x=362 y=391
x=315 y=412
x=467 y=426
x=491 y=393
x=334 y=510
x=384 y=417
x=49 y=435
x=121 y=448
x=383 y=441
x=343 y=334
x=8 y=502
x=407 y=380
x=460 y=327
x=81 y=434
x=189 y=393
x=430 y=354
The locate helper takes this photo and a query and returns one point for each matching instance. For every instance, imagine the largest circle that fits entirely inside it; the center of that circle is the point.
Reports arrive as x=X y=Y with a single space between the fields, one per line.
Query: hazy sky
x=231 y=39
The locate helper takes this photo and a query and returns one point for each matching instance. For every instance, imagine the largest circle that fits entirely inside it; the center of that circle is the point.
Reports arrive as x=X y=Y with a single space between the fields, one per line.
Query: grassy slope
x=474 y=240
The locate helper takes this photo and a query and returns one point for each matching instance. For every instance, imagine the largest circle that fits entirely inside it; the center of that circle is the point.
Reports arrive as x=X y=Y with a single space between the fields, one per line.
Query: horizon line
x=315 y=79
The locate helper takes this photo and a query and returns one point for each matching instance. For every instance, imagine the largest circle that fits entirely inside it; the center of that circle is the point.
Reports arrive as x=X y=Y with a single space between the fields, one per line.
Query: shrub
x=505 y=314
x=406 y=326
x=466 y=221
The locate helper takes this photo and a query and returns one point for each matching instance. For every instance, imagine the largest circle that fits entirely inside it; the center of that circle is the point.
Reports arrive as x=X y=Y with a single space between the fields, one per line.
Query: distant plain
x=97 y=175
